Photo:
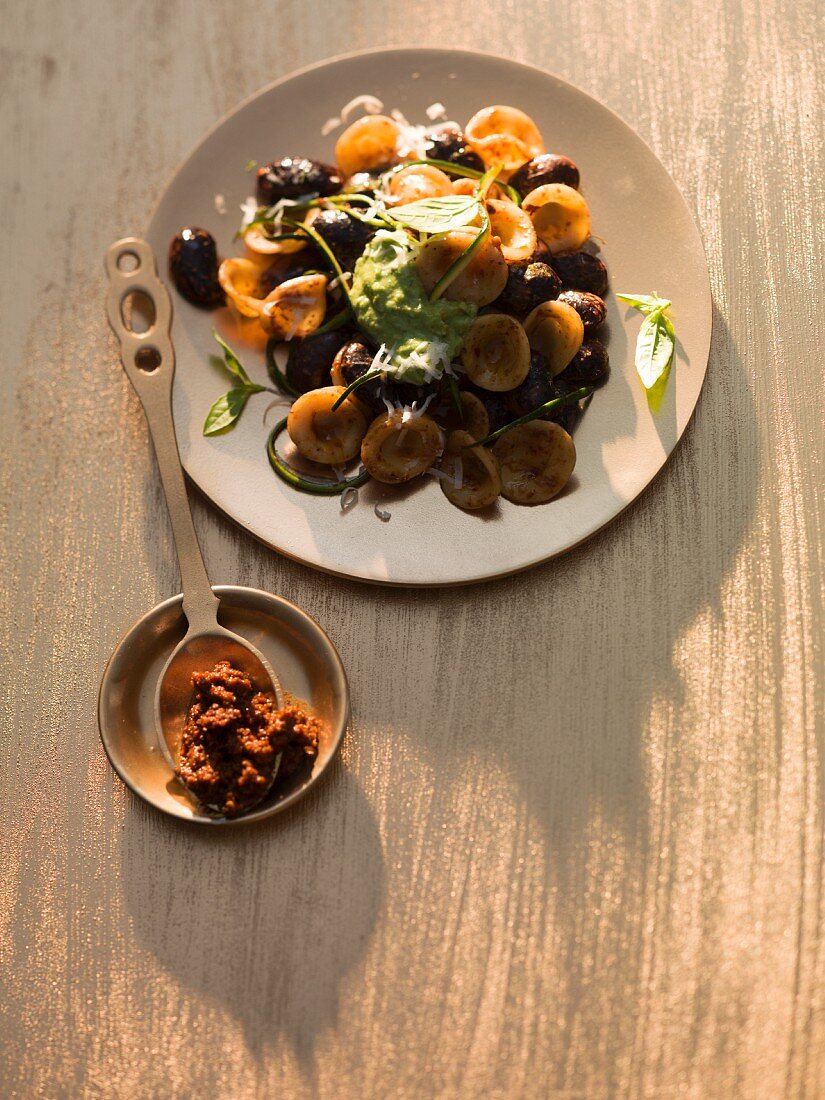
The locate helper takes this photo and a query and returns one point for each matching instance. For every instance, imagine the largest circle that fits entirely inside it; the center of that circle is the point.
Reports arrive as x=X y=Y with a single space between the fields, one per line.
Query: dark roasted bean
x=347 y=237
x=580 y=271
x=193 y=267
x=292 y=177
x=528 y=285
x=449 y=143
x=547 y=168
x=589 y=366
x=310 y=359
x=536 y=388
x=589 y=307
x=351 y=361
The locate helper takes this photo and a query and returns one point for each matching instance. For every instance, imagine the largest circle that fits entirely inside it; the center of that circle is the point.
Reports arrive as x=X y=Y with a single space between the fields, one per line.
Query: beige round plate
x=648 y=241
x=309 y=670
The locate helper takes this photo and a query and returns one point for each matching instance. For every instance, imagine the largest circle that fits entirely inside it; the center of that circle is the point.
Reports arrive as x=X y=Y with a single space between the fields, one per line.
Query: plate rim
x=442 y=51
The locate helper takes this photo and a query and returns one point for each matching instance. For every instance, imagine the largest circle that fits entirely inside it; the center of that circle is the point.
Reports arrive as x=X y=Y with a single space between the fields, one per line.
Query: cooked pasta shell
x=370 y=142
x=473 y=479
x=296 y=307
x=536 y=461
x=474 y=416
x=322 y=435
x=260 y=245
x=560 y=215
x=556 y=330
x=514 y=229
x=240 y=280
x=503 y=135
x=496 y=352
x=399 y=447
x=419 y=181
x=481 y=281
x=466 y=186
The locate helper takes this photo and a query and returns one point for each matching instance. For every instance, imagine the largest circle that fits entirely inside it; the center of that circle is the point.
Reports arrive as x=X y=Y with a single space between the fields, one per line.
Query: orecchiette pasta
x=370 y=142
x=536 y=461
x=240 y=281
x=419 y=181
x=397 y=449
x=560 y=215
x=513 y=228
x=496 y=352
x=481 y=281
x=557 y=331
x=472 y=478
x=504 y=135
x=322 y=435
x=295 y=308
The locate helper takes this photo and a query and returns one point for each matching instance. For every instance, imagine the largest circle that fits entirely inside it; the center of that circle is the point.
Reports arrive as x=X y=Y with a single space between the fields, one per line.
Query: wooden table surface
x=574 y=844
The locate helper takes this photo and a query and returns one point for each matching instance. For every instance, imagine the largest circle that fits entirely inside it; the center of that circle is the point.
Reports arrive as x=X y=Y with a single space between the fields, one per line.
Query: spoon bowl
x=197 y=653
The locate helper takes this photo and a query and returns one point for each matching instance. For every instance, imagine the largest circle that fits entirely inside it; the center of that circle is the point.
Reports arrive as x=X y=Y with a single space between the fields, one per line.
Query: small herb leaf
x=225 y=411
x=232 y=362
x=437 y=215
x=656 y=342
x=646 y=303
x=654 y=348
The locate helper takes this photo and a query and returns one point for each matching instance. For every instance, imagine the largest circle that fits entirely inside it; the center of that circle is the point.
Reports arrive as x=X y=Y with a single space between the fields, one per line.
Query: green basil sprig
x=656 y=342
x=439 y=214
x=229 y=407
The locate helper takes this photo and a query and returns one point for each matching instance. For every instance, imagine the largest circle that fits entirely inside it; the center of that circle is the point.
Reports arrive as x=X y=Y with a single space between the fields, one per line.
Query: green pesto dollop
x=391 y=306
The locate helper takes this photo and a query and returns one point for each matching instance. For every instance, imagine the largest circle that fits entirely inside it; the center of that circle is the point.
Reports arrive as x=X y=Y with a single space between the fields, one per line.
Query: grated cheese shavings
x=220 y=203
x=410 y=141
x=249 y=208
x=349 y=498
x=436 y=110
x=370 y=104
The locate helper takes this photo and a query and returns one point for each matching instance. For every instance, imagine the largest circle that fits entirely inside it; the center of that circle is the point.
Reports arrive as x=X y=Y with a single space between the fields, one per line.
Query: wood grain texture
x=574 y=847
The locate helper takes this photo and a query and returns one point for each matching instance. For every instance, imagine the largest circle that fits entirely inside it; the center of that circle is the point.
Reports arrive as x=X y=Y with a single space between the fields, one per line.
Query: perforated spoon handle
x=149 y=360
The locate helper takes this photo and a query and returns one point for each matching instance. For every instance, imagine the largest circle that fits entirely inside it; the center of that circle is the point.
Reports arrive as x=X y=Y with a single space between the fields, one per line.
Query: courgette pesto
x=391 y=305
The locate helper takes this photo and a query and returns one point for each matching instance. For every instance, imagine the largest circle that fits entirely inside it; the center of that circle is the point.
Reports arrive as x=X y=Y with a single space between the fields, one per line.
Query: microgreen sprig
x=656 y=342
x=226 y=410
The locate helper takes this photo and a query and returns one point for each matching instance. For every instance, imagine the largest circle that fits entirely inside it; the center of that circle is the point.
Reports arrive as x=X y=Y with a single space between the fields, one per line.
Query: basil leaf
x=437 y=215
x=654 y=348
x=228 y=408
x=647 y=303
x=232 y=362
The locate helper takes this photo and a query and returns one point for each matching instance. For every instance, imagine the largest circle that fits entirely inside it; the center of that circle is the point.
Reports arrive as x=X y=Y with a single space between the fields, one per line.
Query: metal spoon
x=149 y=360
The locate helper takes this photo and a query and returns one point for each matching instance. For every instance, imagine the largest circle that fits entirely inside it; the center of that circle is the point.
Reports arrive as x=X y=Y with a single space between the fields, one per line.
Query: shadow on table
x=264 y=921
x=582 y=768
x=587 y=662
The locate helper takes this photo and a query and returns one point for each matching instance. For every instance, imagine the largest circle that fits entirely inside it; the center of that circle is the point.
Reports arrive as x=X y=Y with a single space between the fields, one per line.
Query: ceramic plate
x=647 y=239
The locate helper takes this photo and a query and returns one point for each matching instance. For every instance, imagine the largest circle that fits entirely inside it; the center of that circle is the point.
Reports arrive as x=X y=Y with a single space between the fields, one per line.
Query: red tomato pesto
x=236 y=740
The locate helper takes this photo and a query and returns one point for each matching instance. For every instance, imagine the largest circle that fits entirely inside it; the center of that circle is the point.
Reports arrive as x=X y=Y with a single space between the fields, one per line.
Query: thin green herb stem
x=319 y=241
x=458 y=265
x=460 y=170
x=359 y=381
x=275 y=372
x=534 y=414
x=333 y=323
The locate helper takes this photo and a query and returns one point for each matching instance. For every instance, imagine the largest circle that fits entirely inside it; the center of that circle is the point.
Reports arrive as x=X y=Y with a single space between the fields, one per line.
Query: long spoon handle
x=149 y=360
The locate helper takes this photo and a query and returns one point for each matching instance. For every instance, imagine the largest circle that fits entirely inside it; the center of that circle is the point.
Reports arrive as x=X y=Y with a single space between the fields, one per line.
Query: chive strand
x=306 y=484
x=275 y=372
x=359 y=381
x=534 y=414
